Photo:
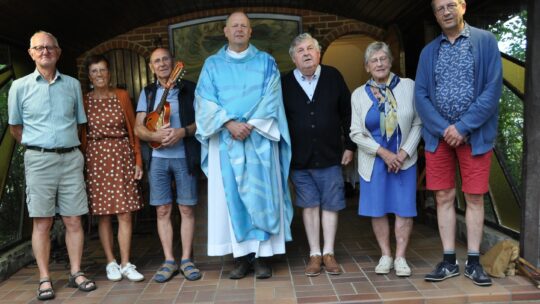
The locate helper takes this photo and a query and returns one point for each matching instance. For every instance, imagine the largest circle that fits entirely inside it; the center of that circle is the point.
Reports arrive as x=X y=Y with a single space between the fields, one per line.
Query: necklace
x=101 y=96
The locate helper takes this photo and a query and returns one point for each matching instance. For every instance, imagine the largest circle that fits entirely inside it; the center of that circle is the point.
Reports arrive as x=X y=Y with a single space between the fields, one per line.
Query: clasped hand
x=393 y=161
x=238 y=130
x=168 y=136
x=452 y=137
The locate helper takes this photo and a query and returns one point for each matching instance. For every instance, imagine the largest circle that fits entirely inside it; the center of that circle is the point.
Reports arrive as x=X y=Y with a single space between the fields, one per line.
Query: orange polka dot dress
x=110 y=163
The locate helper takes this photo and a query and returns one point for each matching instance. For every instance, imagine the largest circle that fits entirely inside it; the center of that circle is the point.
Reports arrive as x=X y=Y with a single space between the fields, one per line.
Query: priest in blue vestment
x=246 y=152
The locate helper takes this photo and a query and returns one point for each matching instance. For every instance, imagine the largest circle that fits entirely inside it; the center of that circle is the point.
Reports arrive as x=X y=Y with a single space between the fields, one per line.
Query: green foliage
x=512 y=35
x=510 y=137
x=512 y=38
x=11 y=201
x=3 y=108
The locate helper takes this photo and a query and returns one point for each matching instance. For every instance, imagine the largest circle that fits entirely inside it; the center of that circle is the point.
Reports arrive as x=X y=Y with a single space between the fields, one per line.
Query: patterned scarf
x=387 y=104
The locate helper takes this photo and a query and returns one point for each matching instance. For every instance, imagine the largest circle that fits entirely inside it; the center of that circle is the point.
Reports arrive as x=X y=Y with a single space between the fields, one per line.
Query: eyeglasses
x=382 y=59
x=41 y=48
x=452 y=7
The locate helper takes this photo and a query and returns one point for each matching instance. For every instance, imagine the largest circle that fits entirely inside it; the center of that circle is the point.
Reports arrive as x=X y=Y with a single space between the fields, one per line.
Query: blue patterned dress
x=387 y=192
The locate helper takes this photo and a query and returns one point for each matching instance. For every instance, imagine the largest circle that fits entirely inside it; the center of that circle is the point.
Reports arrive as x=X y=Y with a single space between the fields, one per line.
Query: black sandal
x=83 y=286
x=47 y=293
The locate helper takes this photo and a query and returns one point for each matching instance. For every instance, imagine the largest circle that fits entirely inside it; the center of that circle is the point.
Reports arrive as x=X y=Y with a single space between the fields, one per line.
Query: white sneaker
x=113 y=271
x=385 y=264
x=402 y=268
x=130 y=272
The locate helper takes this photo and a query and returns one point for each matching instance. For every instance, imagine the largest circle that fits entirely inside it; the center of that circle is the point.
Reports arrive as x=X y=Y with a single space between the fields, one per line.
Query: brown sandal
x=47 y=293
x=83 y=286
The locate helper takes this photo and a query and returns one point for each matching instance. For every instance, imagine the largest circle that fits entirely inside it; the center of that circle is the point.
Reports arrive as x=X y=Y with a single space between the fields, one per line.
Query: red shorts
x=441 y=168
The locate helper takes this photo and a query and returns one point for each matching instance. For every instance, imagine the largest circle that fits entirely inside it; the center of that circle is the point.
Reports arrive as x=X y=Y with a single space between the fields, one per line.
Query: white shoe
x=385 y=264
x=113 y=271
x=130 y=272
x=402 y=268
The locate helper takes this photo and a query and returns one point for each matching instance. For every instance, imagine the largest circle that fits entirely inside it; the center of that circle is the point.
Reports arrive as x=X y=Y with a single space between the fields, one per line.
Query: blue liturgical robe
x=248 y=90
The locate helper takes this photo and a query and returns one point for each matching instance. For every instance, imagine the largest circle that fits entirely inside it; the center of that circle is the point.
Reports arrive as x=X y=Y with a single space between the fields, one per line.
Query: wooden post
x=530 y=230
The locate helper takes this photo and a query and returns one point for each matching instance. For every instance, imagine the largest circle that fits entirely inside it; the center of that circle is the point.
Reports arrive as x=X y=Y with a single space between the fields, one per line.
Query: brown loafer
x=330 y=264
x=313 y=268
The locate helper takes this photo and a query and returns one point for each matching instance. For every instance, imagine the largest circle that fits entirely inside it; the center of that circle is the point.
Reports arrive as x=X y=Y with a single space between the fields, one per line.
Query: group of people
x=251 y=131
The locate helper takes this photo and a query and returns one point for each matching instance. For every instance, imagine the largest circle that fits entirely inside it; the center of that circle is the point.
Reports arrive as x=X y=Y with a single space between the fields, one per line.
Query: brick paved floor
x=356 y=251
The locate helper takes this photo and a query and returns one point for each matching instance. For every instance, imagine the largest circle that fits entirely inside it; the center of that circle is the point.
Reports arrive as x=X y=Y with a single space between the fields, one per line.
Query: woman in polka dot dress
x=113 y=165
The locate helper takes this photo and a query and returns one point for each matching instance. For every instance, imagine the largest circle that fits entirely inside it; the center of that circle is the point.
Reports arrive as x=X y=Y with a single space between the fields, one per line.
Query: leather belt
x=54 y=150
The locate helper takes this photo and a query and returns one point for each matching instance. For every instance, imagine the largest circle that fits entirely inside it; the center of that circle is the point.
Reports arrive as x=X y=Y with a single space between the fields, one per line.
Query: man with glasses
x=45 y=108
x=458 y=86
x=318 y=106
x=177 y=158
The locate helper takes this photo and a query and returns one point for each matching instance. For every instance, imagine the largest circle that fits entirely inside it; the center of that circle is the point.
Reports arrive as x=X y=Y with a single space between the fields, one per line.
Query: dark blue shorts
x=162 y=172
x=319 y=187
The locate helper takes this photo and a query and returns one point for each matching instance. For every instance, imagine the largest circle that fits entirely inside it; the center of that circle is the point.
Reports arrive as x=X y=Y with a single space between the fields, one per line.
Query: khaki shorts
x=55 y=183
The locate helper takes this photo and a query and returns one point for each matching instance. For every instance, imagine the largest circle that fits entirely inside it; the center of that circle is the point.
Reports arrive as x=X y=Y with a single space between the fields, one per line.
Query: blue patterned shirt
x=454 y=77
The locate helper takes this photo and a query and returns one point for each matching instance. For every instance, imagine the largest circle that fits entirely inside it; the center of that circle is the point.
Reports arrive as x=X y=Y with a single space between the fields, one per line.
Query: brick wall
x=324 y=27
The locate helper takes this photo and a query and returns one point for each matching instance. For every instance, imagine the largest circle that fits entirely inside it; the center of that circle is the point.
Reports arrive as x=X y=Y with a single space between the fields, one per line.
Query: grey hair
x=299 y=39
x=46 y=33
x=375 y=47
x=459 y=1
x=160 y=48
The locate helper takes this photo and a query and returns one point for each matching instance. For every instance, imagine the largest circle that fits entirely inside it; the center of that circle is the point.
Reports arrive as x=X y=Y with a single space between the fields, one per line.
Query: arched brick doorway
x=129 y=71
x=347 y=55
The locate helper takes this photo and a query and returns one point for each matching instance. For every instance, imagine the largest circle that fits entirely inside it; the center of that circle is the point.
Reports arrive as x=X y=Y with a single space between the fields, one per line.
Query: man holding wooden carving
x=175 y=156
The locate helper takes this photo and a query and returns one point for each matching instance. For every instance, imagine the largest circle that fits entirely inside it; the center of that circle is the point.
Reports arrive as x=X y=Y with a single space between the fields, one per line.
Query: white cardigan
x=408 y=120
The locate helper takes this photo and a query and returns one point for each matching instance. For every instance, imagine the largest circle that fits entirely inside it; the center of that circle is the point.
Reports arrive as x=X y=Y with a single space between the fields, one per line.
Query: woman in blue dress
x=386 y=128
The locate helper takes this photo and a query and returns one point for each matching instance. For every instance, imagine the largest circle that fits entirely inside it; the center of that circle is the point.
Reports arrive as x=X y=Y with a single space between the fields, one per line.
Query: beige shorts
x=55 y=183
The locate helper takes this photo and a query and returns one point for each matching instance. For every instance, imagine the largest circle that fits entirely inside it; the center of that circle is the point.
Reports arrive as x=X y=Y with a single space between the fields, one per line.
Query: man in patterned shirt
x=458 y=86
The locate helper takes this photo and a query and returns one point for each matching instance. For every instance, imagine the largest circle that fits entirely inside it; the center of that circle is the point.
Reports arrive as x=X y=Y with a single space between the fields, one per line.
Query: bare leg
x=474 y=218
x=187 y=229
x=381 y=228
x=402 y=230
x=74 y=244
x=41 y=245
x=446 y=217
x=124 y=236
x=329 y=226
x=106 y=236
x=165 y=231
x=312 y=224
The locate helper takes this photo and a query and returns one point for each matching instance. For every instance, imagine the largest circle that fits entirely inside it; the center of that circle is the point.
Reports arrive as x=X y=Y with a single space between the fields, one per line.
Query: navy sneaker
x=443 y=271
x=476 y=273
